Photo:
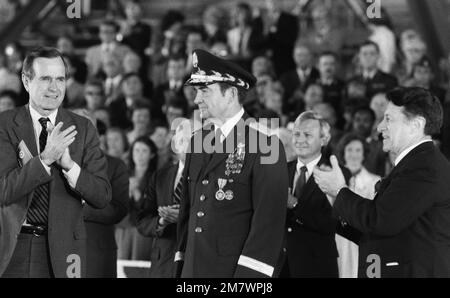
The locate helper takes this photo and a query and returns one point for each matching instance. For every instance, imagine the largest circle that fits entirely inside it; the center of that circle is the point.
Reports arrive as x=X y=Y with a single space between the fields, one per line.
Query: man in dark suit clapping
x=406 y=228
x=51 y=165
x=161 y=204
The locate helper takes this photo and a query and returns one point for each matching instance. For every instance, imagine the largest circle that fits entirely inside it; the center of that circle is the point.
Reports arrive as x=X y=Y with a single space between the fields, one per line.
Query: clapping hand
x=57 y=146
x=330 y=180
x=169 y=214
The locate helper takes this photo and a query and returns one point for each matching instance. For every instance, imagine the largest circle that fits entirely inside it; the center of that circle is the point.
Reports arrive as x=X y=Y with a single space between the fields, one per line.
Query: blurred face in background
x=132 y=87
x=356 y=90
x=142 y=154
x=354 y=156
x=133 y=11
x=189 y=92
x=160 y=137
x=173 y=113
x=193 y=41
x=302 y=57
x=64 y=45
x=115 y=143
x=363 y=123
x=181 y=139
x=175 y=69
x=414 y=50
x=111 y=66
x=141 y=118
x=260 y=65
x=107 y=33
x=132 y=63
x=327 y=66
x=94 y=97
x=313 y=96
x=422 y=75
x=274 y=100
x=6 y=103
x=379 y=104
x=263 y=83
x=368 y=57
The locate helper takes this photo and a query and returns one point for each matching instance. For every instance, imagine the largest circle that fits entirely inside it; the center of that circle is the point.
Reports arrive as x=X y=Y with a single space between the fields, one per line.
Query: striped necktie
x=178 y=191
x=38 y=210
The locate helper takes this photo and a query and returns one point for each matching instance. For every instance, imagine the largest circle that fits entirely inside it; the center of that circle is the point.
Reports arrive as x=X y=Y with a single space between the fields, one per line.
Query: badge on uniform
x=229 y=195
x=235 y=160
x=220 y=194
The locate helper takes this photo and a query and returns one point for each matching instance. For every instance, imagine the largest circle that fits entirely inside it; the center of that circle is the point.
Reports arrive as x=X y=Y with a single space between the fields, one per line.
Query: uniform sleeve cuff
x=179 y=256
x=256 y=265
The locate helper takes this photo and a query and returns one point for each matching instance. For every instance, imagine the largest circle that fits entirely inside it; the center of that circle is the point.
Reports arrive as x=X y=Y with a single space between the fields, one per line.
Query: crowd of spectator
x=133 y=83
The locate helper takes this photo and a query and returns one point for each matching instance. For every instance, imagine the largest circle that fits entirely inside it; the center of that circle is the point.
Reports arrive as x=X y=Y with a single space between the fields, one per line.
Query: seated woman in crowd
x=143 y=160
x=116 y=143
x=352 y=150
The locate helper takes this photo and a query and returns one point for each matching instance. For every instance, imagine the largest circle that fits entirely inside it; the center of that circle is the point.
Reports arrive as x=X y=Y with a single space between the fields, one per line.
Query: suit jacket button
x=198 y=230
x=200 y=214
x=202 y=198
x=289 y=229
x=205 y=182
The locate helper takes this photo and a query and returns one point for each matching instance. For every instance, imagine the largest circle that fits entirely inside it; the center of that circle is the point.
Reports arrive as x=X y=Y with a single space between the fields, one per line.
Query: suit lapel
x=24 y=129
x=291 y=172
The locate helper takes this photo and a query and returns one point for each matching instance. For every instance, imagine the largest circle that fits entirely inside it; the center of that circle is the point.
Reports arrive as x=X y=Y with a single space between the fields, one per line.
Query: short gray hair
x=324 y=125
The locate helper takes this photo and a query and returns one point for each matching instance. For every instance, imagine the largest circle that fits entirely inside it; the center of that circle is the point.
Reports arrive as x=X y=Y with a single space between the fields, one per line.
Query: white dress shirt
x=179 y=174
x=228 y=126
x=310 y=168
x=407 y=150
x=303 y=74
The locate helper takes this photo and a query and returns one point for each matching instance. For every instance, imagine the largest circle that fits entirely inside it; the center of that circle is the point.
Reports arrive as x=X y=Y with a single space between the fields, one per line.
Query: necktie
x=108 y=87
x=377 y=186
x=178 y=191
x=38 y=211
x=241 y=42
x=301 y=181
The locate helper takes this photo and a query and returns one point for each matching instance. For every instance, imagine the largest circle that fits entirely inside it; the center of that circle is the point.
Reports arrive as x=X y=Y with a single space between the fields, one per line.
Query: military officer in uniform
x=232 y=214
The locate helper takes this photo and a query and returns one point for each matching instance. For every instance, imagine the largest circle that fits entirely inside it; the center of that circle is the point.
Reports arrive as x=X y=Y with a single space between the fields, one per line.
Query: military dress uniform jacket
x=240 y=235
x=406 y=228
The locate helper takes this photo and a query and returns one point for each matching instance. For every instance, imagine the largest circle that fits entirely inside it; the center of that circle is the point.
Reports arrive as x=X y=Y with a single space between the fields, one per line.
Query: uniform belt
x=35 y=230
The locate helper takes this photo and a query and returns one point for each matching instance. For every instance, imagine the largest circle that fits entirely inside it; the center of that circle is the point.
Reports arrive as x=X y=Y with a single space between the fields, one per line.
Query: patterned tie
x=38 y=211
x=178 y=191
x=301 y=181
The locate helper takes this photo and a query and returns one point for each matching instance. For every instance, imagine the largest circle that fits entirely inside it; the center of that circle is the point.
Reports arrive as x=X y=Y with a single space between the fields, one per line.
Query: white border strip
x=179 y=256
x=121 y=264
